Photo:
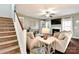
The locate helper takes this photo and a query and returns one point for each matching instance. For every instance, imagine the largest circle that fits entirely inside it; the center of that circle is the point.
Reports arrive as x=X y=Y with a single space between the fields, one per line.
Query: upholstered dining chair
x=34 y=45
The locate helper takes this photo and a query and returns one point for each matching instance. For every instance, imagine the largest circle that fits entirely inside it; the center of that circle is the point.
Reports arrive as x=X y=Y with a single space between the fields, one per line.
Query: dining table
x=50 y=42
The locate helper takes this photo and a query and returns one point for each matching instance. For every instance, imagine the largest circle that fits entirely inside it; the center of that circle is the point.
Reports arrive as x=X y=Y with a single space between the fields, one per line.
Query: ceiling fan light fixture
x=47 y=15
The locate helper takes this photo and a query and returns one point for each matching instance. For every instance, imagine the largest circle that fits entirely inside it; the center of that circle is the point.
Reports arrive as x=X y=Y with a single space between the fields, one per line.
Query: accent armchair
x=62 y=41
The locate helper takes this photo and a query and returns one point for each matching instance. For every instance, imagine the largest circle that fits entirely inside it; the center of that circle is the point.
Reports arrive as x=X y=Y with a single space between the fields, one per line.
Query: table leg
x=49 y=48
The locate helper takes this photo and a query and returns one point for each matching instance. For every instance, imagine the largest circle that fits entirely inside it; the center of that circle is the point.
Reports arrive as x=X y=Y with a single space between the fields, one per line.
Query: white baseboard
x=75 y=37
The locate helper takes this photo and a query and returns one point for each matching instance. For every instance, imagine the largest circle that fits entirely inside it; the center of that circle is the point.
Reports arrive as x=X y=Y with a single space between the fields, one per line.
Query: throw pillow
x=61 y=36
x=56 y=34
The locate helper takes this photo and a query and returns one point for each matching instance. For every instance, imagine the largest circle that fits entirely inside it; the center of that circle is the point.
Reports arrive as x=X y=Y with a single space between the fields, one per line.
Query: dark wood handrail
x=19 y=21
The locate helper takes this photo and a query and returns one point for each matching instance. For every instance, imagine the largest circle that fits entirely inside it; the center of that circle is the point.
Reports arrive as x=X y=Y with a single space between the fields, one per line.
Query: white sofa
x=62 y=41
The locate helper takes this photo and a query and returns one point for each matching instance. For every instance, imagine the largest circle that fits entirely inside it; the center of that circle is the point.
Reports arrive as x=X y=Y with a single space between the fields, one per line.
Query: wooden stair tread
x=5 y=18
x=6 y=22
x=1 y=20
x=7 y=32
x=8 y=49
x=7 y=42
x=9 y=25
x=7 y=36
x=8 y=39
x=13 y=51
x=7 y=28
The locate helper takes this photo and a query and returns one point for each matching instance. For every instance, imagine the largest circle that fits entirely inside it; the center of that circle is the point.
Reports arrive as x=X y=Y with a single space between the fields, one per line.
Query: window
x=67 y=24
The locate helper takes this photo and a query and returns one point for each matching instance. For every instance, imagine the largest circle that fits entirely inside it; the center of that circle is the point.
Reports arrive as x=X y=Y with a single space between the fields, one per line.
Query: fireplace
x=55 y=30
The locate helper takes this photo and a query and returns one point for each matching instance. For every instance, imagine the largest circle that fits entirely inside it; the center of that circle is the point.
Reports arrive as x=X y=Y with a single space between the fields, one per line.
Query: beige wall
x=6 y=10
x=76 y=26
x=31 y=22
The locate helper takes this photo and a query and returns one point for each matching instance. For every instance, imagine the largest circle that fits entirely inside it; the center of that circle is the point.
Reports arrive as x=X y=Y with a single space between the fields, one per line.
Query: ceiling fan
x=48 y=13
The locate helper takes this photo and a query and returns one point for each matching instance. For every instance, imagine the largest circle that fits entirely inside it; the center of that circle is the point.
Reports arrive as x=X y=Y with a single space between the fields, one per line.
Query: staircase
x=8 y=38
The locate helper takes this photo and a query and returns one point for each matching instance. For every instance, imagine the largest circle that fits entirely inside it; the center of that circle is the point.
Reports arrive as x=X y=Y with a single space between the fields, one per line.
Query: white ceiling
x=33 y=10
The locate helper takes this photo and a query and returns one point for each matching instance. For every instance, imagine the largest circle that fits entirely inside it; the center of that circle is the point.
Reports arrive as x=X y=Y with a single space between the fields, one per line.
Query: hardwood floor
x=73 y=47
